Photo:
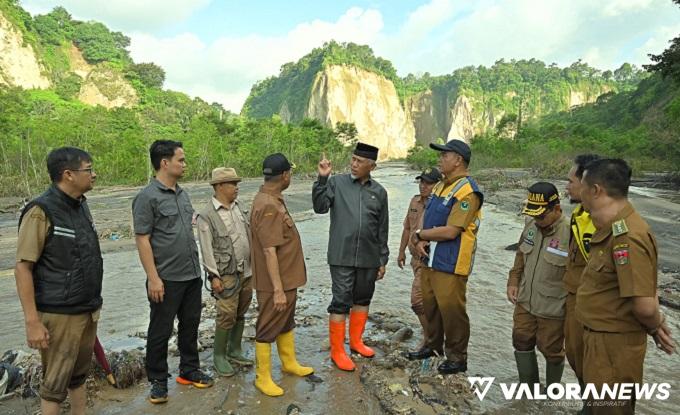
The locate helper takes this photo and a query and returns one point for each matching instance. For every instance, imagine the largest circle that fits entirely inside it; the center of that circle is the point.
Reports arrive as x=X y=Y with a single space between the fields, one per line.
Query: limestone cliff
x=101 y=84
x=19 y=66
x=454 y=115
x=108 y=88
x=342 y=93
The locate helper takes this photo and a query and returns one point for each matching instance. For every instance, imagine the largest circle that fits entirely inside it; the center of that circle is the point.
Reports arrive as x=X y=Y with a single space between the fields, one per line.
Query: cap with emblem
x=457 y=146
x=542 y=196
x=366 y=150
x=224 y=175
x=430 y=175
x=275 y=164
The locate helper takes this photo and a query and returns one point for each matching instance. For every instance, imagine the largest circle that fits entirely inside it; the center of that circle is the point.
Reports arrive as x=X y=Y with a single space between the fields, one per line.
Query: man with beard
x=582 y=230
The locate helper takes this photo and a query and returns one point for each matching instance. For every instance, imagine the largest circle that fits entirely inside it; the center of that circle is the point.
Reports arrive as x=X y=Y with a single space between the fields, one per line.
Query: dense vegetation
x=295 y=80
x=642 y=126
x=34 y=122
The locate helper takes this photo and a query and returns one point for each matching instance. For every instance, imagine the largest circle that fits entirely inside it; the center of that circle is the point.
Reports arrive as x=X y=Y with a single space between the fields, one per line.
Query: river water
x=125 y=312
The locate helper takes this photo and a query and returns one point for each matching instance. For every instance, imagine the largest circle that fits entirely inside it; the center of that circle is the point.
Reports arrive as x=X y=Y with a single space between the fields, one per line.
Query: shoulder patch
x=621 y=254
x=464 y=205
x=619 y=227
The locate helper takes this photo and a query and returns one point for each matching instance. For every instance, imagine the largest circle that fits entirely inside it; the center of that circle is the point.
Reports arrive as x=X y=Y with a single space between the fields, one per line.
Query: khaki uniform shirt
x=272 y=226
x=539 y=268
x=412 y=222
x=32 y=235
x=622 y=265
x=236 y=224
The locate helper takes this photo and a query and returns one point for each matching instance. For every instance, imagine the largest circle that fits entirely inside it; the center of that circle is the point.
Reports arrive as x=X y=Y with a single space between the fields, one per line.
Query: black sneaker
x=421 y=354
x=196 y=378
x=450 y=368
x=159 y=391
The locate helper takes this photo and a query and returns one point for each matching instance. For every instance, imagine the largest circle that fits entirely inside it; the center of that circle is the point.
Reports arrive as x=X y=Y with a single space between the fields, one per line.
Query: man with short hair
x=59 y=275
x=162 y=215
x=414 y=220
x=617 y=300
x=535 y=286
x=224 y=236
x=278 y=270
x=447 y=243
x=357 y=246
x=582 y=230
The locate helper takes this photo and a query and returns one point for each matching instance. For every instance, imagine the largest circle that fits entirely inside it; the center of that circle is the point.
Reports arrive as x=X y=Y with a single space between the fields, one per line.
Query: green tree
x=149 y=74
x=99 y=44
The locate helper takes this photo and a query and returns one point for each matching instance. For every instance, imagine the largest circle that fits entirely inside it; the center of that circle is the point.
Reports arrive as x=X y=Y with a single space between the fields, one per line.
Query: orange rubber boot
x=336 y=331
x=357 y=323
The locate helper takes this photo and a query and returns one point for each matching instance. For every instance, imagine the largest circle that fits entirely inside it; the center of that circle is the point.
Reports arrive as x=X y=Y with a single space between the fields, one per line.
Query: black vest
x=67 y=278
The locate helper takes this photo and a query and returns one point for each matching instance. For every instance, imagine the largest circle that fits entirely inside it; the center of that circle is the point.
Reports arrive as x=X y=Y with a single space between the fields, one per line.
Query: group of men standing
x=591 y=279
x=586 y=287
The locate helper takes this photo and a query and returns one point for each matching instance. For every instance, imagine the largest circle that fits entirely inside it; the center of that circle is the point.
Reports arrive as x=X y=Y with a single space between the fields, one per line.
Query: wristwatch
x=418 y=233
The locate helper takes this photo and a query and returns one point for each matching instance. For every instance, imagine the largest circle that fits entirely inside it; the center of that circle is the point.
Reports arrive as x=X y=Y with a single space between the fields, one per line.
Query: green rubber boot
x=234 y=351
x=553 y=372
x=527 y=366
x=222 y=365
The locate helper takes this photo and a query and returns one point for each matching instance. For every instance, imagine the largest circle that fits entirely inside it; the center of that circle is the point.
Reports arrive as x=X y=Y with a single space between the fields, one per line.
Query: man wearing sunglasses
x=535 y=286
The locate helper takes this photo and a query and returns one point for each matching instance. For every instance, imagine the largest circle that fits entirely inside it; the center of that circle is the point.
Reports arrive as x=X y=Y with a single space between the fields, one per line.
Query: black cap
x=542 y=195
x=275 y=164
x=430 y=175
x=366 y=150
x=457 y=146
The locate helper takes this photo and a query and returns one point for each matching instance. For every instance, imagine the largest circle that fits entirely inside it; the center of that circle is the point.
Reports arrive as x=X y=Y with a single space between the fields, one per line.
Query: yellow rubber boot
x=285 y=343
x=263 y=371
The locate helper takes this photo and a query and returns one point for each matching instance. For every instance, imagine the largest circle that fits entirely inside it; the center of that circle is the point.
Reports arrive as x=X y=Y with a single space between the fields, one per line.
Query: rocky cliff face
x=459 y=116
x=349 y=94
x=106 y=87
x=101 y=85
x=19 y=66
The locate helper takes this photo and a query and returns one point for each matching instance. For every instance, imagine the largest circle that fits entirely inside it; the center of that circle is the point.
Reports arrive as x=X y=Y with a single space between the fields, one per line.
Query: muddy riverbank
x=386 y=384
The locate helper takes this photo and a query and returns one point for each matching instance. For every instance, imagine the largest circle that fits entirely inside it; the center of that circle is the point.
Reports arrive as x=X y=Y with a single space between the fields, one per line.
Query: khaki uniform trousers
x=444 y=304
x=529 y=331
x=573 y=337
x=234 y=307
x=610 y=358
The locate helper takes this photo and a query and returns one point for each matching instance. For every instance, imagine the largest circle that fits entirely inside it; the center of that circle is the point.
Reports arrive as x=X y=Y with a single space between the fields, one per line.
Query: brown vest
x=223 y=249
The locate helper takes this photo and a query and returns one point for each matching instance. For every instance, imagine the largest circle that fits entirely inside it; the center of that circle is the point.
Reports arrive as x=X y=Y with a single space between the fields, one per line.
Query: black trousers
x=351 y=286
x=182 y=299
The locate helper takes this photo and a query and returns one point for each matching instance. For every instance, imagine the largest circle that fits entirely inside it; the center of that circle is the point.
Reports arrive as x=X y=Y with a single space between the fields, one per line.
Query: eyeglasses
x=90 y=170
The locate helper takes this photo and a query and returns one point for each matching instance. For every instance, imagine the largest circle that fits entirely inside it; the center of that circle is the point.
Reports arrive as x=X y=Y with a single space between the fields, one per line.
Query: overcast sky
x=217 y=49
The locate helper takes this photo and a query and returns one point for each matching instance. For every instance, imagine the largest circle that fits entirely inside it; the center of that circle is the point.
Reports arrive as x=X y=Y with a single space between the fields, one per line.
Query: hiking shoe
x=159 y=392
x=196 y=378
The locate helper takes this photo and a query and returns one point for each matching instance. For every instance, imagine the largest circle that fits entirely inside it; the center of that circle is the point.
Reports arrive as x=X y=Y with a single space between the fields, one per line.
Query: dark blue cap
x=457 y=146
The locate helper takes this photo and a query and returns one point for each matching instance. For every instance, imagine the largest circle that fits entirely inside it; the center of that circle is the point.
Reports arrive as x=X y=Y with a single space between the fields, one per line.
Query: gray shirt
x=166 y=216
x=359 y=220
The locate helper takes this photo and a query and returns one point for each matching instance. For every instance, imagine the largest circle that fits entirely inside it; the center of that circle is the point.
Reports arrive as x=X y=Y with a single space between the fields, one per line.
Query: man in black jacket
x=357 y=246
x=59 y=279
